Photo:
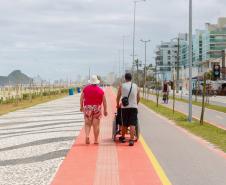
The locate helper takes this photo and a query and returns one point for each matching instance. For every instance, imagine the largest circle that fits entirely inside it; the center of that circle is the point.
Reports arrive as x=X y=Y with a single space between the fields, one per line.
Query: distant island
x=14 y=78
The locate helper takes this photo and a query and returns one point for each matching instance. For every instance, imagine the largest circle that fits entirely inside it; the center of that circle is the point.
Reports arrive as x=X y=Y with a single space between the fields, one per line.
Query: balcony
x=158 y=58
x=217 y=48
x=218 y=40
x=214 y=55
x=157 y=52
x=159 y=63
x=218 y=33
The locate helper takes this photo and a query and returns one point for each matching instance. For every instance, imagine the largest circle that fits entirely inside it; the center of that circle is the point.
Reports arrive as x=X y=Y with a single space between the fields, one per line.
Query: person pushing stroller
x=129 y=95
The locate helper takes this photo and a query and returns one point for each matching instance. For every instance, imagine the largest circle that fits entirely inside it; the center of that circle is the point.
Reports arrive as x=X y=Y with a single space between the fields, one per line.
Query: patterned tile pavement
x=35 y=141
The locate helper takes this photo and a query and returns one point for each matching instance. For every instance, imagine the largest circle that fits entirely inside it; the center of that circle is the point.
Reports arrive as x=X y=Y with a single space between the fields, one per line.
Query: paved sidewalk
x=211 y=116
x=186 y=159
x=34 y=141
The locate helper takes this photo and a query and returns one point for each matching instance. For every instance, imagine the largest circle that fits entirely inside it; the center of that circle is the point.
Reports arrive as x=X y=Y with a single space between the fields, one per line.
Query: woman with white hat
x=91 y=102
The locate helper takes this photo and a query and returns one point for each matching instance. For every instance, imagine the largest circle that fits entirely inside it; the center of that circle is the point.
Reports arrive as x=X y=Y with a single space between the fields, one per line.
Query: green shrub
x=1 y=100
x=25 y=96
x=45 y=94
x=64 y=91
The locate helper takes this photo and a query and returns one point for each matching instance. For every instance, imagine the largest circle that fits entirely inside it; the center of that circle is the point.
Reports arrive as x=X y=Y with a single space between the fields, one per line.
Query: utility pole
x=174 y=87
x=119 y=65
x=134 y=30
x=145 y=63
x=137 y=66
x=178 y=64
x=223 y=64
x=89 y=73
x=190 y=62
x=123 y=54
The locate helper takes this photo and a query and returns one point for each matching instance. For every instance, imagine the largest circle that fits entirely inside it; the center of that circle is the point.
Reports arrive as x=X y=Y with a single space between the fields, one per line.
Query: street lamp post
x=145 y=63
x=123 y=54
x=134 y=29
x=178 y=64
x=119 y=64
x=190 y=62
x=223 y=65
x=89 y=73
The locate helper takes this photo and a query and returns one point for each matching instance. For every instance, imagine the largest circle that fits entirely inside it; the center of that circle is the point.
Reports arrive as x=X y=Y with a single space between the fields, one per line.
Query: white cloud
x=62 y=38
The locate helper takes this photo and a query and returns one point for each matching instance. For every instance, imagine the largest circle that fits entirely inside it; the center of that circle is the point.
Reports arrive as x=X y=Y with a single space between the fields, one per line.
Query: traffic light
x=216 y=71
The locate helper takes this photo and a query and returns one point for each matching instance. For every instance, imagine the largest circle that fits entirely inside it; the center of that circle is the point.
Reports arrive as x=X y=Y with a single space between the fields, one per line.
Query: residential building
x=166 y=57
x=207 y=47
x=213 y=40
x=167 y=60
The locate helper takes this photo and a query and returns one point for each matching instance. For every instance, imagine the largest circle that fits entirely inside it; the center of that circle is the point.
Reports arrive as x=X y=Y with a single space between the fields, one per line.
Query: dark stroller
x=117 y=123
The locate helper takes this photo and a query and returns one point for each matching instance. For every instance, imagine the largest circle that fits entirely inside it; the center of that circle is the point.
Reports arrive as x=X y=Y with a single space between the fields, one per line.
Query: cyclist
x=165 y=92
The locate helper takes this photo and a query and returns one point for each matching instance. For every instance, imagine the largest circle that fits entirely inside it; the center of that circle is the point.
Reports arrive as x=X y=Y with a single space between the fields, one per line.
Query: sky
x=64 y=38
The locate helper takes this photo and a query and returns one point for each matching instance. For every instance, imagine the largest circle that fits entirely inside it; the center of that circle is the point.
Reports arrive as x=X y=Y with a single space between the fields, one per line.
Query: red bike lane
x=108 y=163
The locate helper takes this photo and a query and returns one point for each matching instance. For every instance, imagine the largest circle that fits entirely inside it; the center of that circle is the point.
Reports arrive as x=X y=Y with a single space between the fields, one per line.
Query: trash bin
x=78 y=90
x=71 y=92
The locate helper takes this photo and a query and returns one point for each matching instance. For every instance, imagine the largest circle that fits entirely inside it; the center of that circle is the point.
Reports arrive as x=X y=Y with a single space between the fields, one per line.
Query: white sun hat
x=94 y=80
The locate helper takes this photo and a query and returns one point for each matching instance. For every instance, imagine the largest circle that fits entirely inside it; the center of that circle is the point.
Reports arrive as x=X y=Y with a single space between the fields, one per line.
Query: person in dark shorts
x=129 y=112
x=165 y=92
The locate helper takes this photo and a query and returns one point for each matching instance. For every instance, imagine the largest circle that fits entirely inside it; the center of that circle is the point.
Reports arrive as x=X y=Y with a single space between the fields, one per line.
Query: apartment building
x=166 y=57
x=207 y=48
x=213 y=42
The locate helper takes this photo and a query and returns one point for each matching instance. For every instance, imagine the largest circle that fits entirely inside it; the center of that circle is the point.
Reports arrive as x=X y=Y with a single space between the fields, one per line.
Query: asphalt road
x=184 y=159
x=34 y=141
x=214 y=100
x=211 y=116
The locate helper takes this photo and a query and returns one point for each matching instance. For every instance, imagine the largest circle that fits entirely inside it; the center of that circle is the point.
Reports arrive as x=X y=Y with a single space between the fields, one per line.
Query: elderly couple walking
x=92 y=99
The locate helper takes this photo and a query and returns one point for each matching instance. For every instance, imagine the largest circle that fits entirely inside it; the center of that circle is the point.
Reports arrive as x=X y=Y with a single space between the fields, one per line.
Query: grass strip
x=208 y=132
x=6 y=108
